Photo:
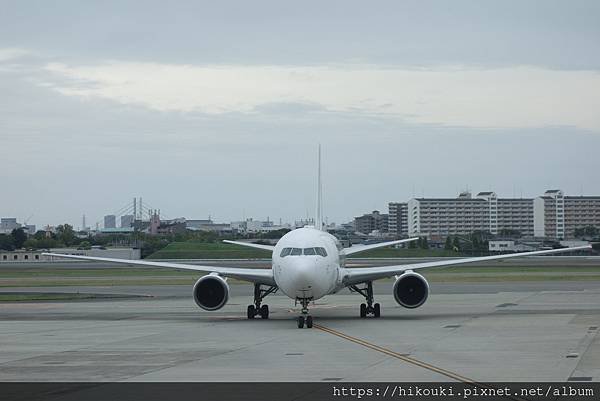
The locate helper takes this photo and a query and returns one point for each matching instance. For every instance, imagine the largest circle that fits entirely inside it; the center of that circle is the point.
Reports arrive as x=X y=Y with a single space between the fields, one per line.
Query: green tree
x=275 y=234
x=31 y=243
x=66 y=234
x=85 y=245
x=456 y=244
x=48 y=243
x=412 y=244
x=19 y=237
x=424 y=243
x=448 y=244
x=39 y=234
x=7 y=242
x=152 y=244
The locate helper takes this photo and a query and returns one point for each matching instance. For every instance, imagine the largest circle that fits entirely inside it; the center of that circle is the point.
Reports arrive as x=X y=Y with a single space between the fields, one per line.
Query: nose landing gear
x=259 y=295
x=305 y=317
x=369 y=308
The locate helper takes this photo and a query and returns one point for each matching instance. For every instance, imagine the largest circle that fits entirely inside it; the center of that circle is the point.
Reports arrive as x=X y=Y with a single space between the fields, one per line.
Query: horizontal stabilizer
x=362 y=248
x=251 y=245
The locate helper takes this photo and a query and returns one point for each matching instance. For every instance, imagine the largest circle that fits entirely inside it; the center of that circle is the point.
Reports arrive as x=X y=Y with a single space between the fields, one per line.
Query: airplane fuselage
x=307 y=264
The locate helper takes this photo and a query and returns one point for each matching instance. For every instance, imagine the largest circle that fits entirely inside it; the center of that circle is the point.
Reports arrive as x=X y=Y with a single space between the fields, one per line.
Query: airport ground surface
x=531 y=330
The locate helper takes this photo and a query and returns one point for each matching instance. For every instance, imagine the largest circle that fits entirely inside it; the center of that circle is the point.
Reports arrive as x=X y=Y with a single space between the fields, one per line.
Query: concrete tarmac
x=533 y=331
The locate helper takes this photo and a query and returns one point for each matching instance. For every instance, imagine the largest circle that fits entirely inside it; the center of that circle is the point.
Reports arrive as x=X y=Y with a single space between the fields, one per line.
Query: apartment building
x=450 y=216
x=367 y=223
x=398 y=218
x=558 y=216
x=552 y=215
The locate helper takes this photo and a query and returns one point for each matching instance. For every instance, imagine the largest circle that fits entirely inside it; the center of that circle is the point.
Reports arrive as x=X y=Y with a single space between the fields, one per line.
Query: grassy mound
x=208 y=250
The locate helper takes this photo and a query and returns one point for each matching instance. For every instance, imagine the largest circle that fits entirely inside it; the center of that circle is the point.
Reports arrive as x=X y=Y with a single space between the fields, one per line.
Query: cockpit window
x=306 y=251
x=321 y=251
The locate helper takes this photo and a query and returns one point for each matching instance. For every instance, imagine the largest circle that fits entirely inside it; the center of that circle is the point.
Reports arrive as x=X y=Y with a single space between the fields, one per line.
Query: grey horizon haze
x=207 y=108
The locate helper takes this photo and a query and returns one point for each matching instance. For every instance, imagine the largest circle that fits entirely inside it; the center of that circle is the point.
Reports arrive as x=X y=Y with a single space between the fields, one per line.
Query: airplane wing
x=251 y=245
x=362 y=274
x=261 y=276
x=362 y=248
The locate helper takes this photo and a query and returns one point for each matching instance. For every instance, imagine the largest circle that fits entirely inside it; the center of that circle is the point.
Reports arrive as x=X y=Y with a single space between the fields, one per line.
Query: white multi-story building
x=515 y=214
x=466 y=214
x=558 y=216
x=448 y=216
x=552 y=215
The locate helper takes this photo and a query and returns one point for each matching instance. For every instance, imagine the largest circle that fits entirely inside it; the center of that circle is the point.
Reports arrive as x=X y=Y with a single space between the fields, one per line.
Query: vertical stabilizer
x=319 y=212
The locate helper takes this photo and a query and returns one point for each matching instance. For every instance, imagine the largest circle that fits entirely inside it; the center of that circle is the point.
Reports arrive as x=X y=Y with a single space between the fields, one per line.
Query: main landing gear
x=259 y=295
x=369 y=308
x=305 y=317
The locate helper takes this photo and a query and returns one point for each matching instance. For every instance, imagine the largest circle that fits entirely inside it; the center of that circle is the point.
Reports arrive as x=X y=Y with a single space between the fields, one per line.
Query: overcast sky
x=216 y=108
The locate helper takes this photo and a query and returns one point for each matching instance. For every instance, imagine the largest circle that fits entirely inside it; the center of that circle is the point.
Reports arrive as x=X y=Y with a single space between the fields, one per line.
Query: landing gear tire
x=369 y=308
x=309 y=322
x=259 y=295
x=264 y=311
x=300 y=322
x=251 y=312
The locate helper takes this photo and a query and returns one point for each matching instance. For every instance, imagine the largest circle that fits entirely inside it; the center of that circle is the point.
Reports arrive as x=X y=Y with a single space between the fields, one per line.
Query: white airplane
x=309 y=263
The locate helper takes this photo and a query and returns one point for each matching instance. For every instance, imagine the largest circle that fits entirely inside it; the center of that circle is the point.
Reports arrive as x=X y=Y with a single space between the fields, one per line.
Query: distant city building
x=465 y=214
x=173 y=227
x=110 y=221
x=30 y=229
x=198 y=224
x=304 y=222
x=20 y=256
x=154 y=222
x=374 y=221
x=553 y=215
x=398 y=218
x=115 y=230
x=515 y=215
x=510 y=246
x=207 y=225
x=7 y=224
x=251 y=226
x=126 y=221
x=558 y=216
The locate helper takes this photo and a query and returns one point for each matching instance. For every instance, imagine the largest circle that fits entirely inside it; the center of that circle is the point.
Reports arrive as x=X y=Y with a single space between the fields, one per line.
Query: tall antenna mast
x=319 y=217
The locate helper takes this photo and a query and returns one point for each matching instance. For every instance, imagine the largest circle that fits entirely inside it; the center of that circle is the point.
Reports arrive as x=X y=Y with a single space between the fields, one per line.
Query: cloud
x=523 y=96
x=11 y=53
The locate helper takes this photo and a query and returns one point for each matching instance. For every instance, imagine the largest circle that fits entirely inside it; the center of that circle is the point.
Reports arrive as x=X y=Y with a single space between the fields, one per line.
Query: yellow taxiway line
x=407 y=359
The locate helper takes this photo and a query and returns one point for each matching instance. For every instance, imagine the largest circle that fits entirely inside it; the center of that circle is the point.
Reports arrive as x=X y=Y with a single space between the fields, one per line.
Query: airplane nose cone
x=300 y=278
x=303 y=273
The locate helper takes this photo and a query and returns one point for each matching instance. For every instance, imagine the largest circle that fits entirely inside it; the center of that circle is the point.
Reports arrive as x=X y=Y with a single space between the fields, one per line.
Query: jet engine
x=211 y=292
x=411 y=290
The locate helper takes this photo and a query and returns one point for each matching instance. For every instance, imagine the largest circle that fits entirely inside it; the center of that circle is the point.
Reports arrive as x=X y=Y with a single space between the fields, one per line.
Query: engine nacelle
x=211 y=292
x=411 y=290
